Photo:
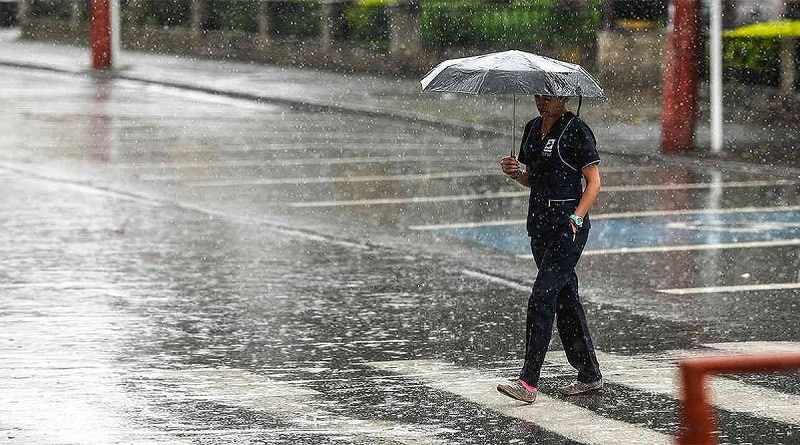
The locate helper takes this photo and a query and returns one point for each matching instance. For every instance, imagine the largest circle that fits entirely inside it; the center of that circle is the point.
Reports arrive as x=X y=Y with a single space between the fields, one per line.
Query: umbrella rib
x=483 y=79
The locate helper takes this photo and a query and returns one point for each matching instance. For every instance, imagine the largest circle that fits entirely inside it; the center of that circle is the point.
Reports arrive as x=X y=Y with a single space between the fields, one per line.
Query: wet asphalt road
x=188 y=268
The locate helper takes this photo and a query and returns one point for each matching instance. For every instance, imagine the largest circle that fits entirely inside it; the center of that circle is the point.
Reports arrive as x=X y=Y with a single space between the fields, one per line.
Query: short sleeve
x=524 y=156
x=584 y=147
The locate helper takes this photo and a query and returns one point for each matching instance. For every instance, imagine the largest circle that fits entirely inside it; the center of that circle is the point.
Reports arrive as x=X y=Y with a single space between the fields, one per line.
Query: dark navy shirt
x=555 y=164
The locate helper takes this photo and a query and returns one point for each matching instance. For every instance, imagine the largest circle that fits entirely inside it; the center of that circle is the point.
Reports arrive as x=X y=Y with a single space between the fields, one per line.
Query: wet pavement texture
x=183 y=267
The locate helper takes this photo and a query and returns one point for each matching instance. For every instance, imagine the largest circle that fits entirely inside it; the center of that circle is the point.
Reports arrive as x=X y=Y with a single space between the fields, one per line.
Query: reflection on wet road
x=186 y=268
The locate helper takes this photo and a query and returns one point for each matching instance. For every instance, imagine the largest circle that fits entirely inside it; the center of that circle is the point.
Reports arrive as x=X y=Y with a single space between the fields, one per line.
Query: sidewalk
x=627 y=123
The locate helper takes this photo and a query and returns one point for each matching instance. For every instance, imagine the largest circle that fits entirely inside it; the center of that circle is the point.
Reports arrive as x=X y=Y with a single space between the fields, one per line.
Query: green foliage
x=298 y=19
x=167 y=13
x=375 y=3
x=54 y=9
x=448 y=22
x=231 y=15
x=752 y=60
x=481 y=23
x=508 y=24
x=367 y=21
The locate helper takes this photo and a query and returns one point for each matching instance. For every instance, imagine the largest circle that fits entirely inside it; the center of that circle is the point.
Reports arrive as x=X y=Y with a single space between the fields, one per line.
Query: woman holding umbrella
x=558 y=151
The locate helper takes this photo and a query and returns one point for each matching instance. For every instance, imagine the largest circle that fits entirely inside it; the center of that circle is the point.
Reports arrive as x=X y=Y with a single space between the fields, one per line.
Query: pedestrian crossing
x=655 y=375
x=571 y=421
x=299 y=406
x=306 y=408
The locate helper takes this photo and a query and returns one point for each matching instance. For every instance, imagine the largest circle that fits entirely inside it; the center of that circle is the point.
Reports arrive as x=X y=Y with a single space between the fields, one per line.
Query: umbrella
x=512 y=72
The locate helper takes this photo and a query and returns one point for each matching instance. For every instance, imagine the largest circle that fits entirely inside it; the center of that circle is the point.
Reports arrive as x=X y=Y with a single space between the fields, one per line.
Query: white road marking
x=725 y=211
x=317 y=237
x=297 y=404
x=335 y=180
x=317 y=161
x=204 y=182
x=409 y=200
x=472 y=225
x=150 y=201
x=685 y=247
x=616 y=215
x=82 y=187
x=729 y=289
x=561 y=417
x=296 y=162
x=696 y=185
x=757 y=347
x=731 y=227
x=522 y=194
x=659 y=377
x=678 y=291
x=496 y=279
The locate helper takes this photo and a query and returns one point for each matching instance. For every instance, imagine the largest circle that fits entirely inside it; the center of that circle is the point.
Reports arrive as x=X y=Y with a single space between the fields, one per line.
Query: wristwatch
x=577 y=220
x=516 y=174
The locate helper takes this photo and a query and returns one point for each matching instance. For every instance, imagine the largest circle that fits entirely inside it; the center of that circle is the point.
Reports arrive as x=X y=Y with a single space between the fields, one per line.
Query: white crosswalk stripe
x=660 y=377
x=571 y=421
x=655 y=374
x=298 y=405
x=757 y=347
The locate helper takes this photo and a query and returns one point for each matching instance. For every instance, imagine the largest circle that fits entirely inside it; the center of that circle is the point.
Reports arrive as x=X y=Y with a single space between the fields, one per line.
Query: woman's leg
x=554 y=257
x=573 y=327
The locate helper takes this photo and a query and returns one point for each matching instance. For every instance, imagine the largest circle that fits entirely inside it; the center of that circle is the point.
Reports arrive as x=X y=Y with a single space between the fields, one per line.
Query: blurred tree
x=295 y=19
x=56 y=9
x=167 y=13
x=517 y=23
x=650 y=10
x=232 y=15
x=367 y=21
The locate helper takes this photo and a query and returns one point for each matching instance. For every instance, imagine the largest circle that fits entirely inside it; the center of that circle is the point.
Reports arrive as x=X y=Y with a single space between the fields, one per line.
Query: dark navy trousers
x=555 y=296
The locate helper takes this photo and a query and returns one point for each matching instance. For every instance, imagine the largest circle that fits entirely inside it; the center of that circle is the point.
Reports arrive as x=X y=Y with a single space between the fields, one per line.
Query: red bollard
x=681 y=77
x=698 y=425
x=100 y=34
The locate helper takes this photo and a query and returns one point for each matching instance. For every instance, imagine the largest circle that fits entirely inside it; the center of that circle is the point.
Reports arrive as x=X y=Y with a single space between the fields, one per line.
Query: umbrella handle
x=514 y=125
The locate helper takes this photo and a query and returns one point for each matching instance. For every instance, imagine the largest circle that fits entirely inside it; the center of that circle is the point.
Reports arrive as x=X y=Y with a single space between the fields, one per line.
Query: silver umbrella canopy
x=512 y=72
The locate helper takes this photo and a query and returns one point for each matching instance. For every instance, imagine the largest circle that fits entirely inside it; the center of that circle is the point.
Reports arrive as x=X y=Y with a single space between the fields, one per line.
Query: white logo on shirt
x=548 y=147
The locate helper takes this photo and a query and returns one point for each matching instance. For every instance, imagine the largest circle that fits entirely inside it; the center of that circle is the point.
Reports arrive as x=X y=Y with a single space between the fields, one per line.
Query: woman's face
x=551 y=105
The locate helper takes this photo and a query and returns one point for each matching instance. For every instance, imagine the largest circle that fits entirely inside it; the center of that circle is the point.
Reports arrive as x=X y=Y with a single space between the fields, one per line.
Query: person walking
x=558 y=150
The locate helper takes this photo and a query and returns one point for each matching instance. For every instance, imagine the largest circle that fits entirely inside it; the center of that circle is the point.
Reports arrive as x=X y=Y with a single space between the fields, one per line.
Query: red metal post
x=100 y=34
x=681 y=76
x=698 y=417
